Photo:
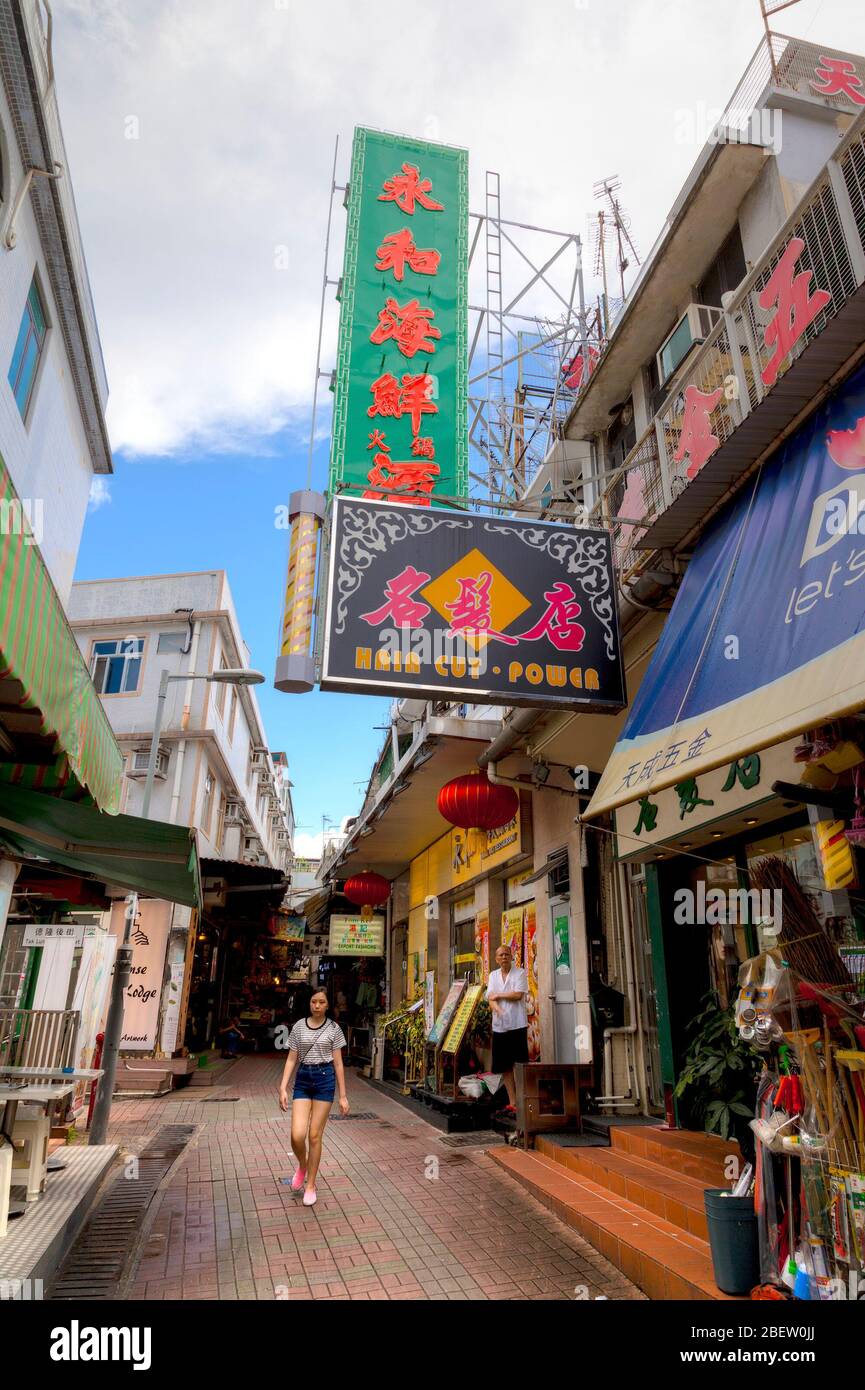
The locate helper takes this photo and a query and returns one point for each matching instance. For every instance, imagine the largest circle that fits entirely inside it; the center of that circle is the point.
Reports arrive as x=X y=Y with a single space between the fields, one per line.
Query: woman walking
x=315 y=1048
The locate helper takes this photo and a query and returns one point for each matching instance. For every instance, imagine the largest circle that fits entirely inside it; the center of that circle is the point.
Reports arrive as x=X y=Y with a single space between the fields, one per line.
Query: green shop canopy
x=144 y=856
x=49 y=708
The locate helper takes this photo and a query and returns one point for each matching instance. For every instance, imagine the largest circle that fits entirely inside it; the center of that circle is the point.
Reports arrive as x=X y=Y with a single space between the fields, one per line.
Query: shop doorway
x=647 y=995
x=564 y=997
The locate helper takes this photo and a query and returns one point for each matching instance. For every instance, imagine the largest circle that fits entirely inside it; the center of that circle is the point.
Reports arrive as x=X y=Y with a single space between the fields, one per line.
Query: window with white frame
x=207 y=803
x=171 y=642
x=115 y=665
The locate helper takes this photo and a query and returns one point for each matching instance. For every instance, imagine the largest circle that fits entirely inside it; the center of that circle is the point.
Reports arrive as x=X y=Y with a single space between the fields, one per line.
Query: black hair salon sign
x=446 y=605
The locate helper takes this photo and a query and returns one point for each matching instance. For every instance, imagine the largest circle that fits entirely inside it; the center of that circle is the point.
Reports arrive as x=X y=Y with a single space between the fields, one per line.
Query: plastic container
x=732 y=1224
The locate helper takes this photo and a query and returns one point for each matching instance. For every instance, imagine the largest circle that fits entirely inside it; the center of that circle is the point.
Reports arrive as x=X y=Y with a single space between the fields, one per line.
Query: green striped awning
x=45 y=687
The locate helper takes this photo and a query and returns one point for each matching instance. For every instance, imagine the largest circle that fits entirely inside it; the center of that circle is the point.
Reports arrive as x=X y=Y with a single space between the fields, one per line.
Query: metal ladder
x=497 y=441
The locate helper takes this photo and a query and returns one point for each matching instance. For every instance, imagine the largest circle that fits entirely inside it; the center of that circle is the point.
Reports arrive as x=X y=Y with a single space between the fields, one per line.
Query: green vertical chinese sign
x=400 y=407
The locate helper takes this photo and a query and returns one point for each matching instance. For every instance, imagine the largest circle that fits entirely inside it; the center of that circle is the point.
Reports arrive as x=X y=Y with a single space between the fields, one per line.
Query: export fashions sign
x=767 y=634
x=356 y=936
x=400 y=409
x=437 y=604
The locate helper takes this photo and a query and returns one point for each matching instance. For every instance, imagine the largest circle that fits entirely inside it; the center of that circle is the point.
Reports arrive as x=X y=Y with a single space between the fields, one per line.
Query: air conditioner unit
x=140 y=759
x=693 y=327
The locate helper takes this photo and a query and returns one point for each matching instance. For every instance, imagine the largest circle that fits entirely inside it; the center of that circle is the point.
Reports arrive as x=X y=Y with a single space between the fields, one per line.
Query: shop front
x=353 y=973
x=738 y=779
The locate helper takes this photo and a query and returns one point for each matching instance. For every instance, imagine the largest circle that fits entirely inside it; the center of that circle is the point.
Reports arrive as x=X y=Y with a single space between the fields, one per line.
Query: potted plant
x=719 y=1079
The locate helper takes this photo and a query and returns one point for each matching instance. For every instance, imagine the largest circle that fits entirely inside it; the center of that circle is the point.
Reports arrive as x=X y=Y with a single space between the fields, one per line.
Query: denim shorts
x=315 y=1082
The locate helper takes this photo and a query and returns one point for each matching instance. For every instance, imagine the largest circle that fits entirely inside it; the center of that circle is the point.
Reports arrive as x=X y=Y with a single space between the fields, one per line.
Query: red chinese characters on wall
x=796 y=309
x=838 y=77
x=696 y=439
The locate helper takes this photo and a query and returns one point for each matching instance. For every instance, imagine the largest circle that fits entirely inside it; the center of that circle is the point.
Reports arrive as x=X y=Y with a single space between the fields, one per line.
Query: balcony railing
x=737 y=366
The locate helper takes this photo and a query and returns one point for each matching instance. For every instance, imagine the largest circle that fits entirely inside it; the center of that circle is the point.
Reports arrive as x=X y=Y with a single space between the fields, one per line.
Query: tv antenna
x=613 y=225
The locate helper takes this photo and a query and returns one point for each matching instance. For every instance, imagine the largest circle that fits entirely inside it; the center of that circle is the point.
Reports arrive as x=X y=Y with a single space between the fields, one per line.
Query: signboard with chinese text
x=356 y=936
x=682 y=809
x=765 y=638
x=462 y=1018
x=400 y=421
x=457 y=606
x=446 y=1012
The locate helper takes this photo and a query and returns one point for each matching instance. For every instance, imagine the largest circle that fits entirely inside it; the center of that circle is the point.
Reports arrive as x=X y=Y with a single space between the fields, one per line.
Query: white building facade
x=53 y=387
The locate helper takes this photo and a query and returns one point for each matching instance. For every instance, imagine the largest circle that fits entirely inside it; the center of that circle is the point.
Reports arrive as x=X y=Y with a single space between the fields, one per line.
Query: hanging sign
x=144 y=992
x=446 y=605
x=356 y=936
x=400 y=389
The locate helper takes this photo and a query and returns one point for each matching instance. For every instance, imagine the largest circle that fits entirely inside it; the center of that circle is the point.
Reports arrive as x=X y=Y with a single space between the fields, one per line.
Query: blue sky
x=217 y=511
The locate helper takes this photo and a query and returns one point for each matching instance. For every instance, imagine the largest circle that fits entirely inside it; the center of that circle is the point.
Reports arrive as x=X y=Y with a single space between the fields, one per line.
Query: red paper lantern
x=367 y=890
x=474 y=802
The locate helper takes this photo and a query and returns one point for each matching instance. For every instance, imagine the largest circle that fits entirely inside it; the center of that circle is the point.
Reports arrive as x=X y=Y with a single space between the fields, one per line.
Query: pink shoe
x=310 y=1197
x=298 y=1180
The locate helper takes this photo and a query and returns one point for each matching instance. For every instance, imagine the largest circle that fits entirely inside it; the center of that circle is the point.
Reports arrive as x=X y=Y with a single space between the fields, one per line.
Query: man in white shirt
x=506 y=993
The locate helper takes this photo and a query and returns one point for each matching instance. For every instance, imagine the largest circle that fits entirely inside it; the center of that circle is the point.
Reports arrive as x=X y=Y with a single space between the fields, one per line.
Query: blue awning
x=766 y=637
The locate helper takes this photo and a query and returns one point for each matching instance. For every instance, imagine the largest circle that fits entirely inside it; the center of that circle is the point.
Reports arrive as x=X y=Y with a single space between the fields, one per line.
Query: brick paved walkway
x=227 y=1228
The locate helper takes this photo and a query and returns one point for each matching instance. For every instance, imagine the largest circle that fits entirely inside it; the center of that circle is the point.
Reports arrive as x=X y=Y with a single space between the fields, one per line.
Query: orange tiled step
x=700 y=1156
x=660 y=1190
x=666 y=1262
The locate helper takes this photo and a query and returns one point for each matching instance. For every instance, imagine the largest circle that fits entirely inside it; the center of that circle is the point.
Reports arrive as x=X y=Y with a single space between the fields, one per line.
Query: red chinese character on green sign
x=398 y=251
x=408 y=188
x=390 y=476
x=412 y=398
x=409 y=325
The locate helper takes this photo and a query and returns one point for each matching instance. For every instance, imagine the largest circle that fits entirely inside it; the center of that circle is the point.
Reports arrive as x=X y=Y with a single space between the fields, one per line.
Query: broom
x=804 y=943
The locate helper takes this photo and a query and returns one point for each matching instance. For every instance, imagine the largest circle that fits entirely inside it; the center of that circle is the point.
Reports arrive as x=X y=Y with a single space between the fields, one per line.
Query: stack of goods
x=800 y=1007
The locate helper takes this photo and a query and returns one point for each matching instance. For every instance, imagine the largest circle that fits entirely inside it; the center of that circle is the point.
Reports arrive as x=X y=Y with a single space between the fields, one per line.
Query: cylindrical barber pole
x=295 y=666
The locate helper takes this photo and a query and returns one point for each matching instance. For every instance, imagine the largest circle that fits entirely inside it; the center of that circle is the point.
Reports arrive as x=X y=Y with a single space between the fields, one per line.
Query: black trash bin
x=732 y=1224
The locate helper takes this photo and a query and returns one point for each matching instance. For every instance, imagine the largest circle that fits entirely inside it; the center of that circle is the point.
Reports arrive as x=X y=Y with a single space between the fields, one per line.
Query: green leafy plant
x=404 y=1032
x=482 y=1022
x=719 y=1079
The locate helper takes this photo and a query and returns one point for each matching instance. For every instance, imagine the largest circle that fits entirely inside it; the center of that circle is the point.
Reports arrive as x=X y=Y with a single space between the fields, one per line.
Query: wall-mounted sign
x=440 y=604
x=53 y=933
x=400 y=409
x=475 y=852
x=355 y=936
x=693 y=803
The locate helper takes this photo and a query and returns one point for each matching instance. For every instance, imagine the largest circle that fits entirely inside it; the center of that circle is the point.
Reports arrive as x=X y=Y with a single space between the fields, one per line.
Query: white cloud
x=237 y=102
x=100 y=493
x=307 y=846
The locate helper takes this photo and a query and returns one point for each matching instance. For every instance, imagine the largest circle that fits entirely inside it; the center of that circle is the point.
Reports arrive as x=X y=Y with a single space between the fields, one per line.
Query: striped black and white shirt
x=315 y=1046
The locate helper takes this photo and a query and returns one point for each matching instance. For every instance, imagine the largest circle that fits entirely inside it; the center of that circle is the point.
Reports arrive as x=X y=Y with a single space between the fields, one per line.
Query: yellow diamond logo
x=474 y=595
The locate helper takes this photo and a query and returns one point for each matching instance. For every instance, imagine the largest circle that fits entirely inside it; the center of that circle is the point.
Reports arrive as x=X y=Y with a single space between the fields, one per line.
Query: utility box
x=548 y=1099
